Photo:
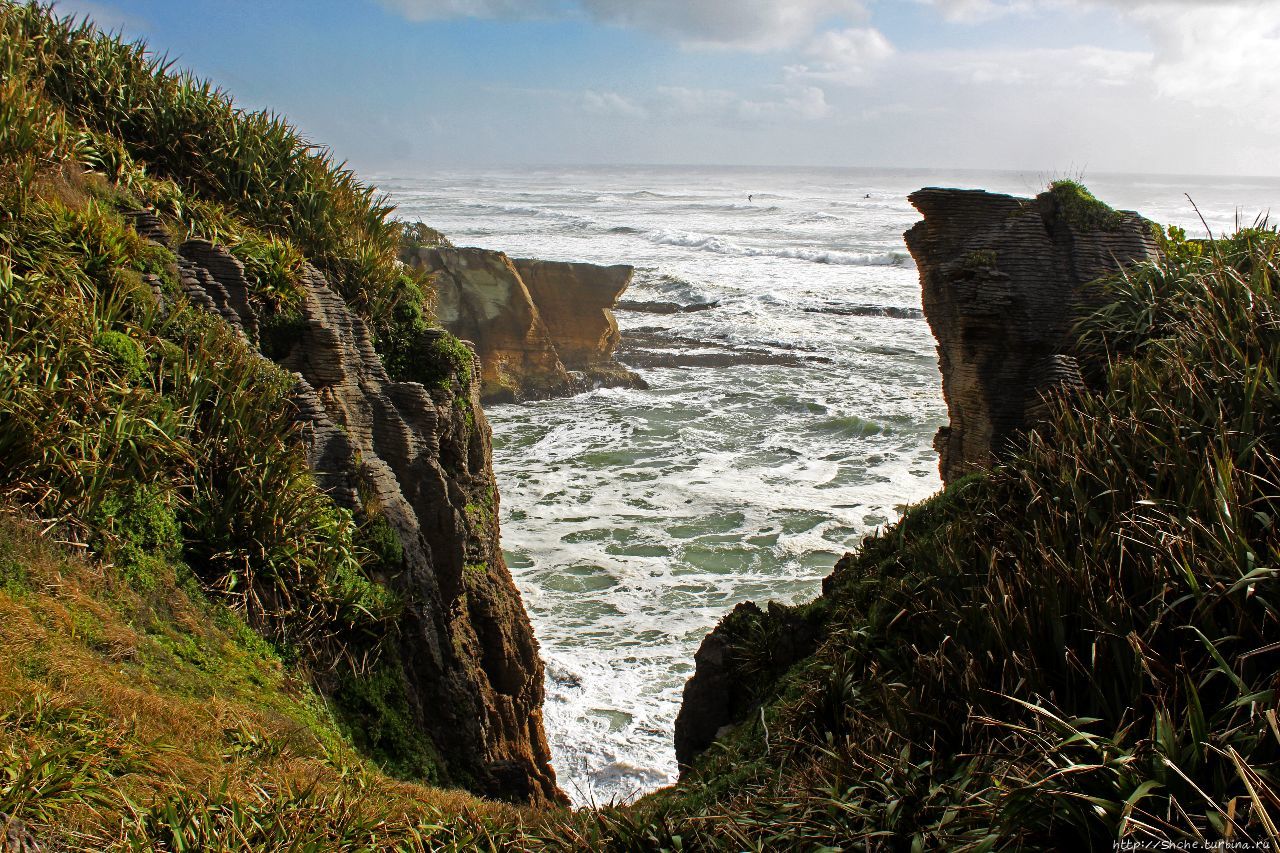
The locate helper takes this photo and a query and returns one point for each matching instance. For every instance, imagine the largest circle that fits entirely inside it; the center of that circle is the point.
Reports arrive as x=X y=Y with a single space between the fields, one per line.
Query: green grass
x=1082 y=208
x=1098 y=663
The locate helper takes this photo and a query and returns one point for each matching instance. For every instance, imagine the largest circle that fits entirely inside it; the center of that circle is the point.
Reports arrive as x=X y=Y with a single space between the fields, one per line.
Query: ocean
x=794 y=394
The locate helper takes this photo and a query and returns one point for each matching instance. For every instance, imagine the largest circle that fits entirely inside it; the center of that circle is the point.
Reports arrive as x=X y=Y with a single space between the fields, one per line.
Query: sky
x=1064 y=87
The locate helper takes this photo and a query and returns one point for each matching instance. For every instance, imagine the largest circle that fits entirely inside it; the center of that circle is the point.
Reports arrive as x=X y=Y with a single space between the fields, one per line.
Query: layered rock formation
x=541 y=328
x=1003 y=283
x=730 y=666
x=576 y=304
x=467 y=657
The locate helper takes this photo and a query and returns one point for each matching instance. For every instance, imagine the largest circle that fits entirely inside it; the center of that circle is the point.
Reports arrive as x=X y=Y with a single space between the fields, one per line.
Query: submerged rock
x=659 y=307
x=1003 y=283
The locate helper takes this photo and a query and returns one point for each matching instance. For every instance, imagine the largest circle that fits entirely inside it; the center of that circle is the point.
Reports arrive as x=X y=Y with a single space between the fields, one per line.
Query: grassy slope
x=157 y=717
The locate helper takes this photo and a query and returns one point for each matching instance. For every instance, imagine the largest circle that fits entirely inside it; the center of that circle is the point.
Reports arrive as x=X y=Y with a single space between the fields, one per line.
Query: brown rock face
x=16 y=837
x=480 y=297
x=1002 y=281
x=469 y=662
x=576 y=302
x=541 y=328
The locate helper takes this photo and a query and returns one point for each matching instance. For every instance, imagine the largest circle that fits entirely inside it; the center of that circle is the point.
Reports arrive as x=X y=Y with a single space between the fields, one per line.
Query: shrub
x=1082 y=209
x=124 y=352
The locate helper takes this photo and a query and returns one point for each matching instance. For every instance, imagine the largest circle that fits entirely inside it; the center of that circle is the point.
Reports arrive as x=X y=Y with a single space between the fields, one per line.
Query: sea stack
x=1003 y=282
x=541 y=328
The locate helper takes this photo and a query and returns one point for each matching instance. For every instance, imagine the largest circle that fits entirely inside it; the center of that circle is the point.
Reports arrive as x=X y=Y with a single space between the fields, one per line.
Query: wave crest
x=721 y=246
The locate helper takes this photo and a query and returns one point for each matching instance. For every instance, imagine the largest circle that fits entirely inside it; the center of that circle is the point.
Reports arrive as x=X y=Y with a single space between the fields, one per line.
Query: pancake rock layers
x=1003 y=283
x=467 y=658
x=541 y=328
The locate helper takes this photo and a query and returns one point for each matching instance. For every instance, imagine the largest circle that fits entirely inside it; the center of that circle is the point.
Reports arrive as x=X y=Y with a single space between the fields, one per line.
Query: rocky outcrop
x=576 y=303
x=734 y=669
x=16 y=836
x=1003 y=283
x=541 y=328
x=468 y=661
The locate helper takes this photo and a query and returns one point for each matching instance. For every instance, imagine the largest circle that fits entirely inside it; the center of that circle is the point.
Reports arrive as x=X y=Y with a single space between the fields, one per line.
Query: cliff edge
x=419 y=457
x=1002 y=280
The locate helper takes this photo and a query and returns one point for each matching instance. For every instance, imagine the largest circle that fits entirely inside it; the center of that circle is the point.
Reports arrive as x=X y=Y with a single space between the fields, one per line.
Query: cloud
x=611 y=104
x=1079 y=69
x=791 y=103
x=972 y=11
x=431 y=10
x=806 y=103
x=847 y=57
x=754 y=25
x=1219 y=54
x=1202 y=52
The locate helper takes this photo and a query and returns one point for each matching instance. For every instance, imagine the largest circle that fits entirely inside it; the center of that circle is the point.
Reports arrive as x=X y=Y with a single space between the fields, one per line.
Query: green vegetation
x=979 y=259
x=420 y=235
x=1099 y=663
x=158 y=720
x=1082 y=209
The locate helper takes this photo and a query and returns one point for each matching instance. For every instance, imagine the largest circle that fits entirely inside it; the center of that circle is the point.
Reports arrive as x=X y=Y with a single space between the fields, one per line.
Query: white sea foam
x=719 y=245
x=633 y=520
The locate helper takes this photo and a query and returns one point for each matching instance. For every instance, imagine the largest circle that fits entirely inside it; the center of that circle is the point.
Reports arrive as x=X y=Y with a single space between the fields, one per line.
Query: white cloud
x=1222 y=54
x=806 y=103
x=846 y=57
x=108 y=18
x=756 y=25
x=430 y=10
x=973 y=11
x=611 y=104
x=1079 y=68
x=781 y=103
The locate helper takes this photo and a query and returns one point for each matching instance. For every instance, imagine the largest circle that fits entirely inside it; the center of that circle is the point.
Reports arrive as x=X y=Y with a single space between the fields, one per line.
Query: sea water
x=779 y=427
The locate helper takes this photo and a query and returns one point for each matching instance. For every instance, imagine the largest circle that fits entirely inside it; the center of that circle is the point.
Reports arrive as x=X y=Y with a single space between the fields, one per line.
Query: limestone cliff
x=576 y=302
x=541 y=328
x=466 y=655
x=1002 y=281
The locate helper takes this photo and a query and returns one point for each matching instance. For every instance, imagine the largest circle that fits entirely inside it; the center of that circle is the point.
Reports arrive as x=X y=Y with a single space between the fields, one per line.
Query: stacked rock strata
x=541 y=328
x=469 y=662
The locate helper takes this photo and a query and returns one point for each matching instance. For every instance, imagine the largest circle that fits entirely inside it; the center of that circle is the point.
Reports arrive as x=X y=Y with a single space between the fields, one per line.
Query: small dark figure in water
x=751 y=197
x=868 y=195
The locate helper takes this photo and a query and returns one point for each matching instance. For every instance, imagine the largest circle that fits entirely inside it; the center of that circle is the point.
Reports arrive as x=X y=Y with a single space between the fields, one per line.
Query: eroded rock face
x=469 y=661
x=481 y=298
x=1002 y=281
x=576 y=302
x=17 y=837
x=541 y=328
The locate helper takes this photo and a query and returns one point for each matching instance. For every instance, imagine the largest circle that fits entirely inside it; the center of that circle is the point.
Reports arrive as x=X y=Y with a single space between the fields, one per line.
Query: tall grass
x=188 y=411
x=190 y=131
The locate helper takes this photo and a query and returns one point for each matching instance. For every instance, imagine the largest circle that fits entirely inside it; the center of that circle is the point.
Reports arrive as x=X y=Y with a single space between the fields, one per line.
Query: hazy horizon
x=1162 y=87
